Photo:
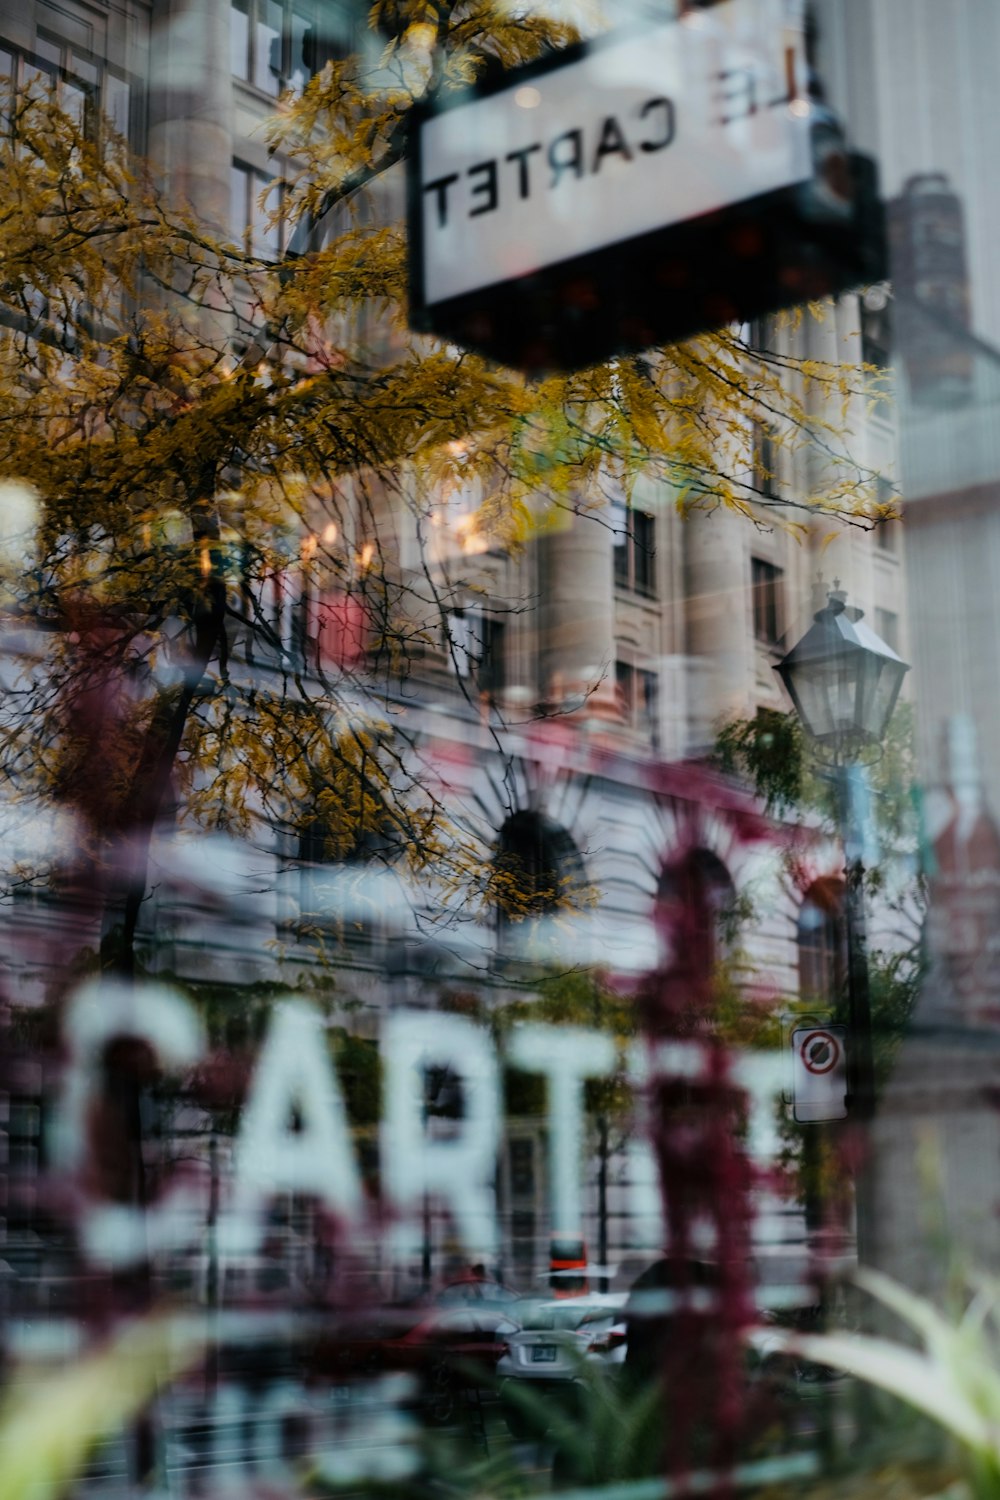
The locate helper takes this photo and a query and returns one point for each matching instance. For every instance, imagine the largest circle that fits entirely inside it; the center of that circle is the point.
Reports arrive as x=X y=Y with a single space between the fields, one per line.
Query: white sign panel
x=819 y=1061
x=634 y=135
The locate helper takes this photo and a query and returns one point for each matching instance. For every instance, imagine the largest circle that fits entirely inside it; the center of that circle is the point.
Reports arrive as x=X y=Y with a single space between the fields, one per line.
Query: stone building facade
x=565 y=697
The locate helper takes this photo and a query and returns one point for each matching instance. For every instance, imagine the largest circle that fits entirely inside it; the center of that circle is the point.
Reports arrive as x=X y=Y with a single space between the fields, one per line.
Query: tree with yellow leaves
x=227 y=472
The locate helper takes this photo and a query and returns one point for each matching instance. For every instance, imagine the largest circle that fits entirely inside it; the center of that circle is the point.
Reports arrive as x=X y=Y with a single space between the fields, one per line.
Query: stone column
x=719 y=640
x=191 y=106
x=576 y=616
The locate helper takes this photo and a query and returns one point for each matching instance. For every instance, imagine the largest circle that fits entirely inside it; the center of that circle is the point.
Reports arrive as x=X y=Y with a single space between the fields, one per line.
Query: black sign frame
x=732 y=265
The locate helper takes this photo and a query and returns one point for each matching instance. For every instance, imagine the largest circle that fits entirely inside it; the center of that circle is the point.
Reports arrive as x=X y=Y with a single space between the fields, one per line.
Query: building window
x=279 y=44
x=86 y=88
x=635 y=549
x=696 y=909
x=90 y=94
x=765 y=460
x=253 y=198
x=887 y=532
x=759 y=335
x=875 y=307
x=638 y=698
x=458 y=527
x=876 y=326
x=887 y=626
x=765 y=581
x=537 y=867
x=337 y=630
x=476 y=644
x=822 y=943
x=342 y=872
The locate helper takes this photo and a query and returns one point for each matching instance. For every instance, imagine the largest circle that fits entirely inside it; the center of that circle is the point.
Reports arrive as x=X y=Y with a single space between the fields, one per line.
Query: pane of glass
x=239 y=38
x=266 y=236
x=847 y=695
x=815 y=687
x=49 y=52
x=34 y=80
x=463 y=642
x=765 y=582
x=303 y=46
x=887 y=626
x=82 y=67
x=493 y=668
x=821 y=949
x=884 y=693
x=117 y=101
x=267 y=47
x=336 y=26
x=6 y=84
x=644 y=538
x=624 y=681
x=619 y=531
x=74 y=101
x=765 y=459
x=649 y=705
x=239 y=210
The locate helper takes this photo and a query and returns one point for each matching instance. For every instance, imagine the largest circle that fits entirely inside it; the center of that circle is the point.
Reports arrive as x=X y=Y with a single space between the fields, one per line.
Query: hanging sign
x=630 y=191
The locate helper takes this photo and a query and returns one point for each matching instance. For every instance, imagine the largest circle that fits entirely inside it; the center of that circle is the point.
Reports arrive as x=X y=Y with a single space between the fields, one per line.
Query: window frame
x=759 y=334
x=250 y=68
x=475 y=643
x=542 y=856
x=638 y=690
x=886 y=532
x=887 y=626
x=255 y=182
x=821 y=945
x=633 y=530
x=765 y=460
x=766 y=600
x=73 y=68
x=875 y=327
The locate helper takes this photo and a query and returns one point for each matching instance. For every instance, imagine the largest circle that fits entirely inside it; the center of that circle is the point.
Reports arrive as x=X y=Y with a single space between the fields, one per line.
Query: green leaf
x=49 y=1423
x=901 y=1371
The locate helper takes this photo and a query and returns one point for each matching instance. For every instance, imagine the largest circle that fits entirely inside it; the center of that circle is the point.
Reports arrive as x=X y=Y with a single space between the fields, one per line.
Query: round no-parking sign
x=820 y=1052
x=819 y=1065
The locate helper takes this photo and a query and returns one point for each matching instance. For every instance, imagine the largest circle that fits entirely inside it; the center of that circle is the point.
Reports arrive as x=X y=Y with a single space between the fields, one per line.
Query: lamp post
x=844 y=681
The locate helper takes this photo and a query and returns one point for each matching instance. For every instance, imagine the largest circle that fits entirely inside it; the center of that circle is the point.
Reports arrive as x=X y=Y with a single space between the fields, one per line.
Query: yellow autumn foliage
x=202 y=427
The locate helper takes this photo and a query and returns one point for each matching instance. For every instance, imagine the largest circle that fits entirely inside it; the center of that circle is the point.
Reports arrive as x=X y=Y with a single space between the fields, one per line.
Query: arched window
x=696 y=906
x=822 y=942
x=536 y=867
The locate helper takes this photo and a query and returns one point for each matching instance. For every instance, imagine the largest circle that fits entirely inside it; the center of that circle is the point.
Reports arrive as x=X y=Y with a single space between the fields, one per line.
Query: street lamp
x=844 y=681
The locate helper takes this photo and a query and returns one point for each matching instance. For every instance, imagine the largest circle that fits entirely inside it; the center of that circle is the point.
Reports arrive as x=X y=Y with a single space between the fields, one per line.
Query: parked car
x=796 y=1385
x=557 y=1340
x=451 y=1351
